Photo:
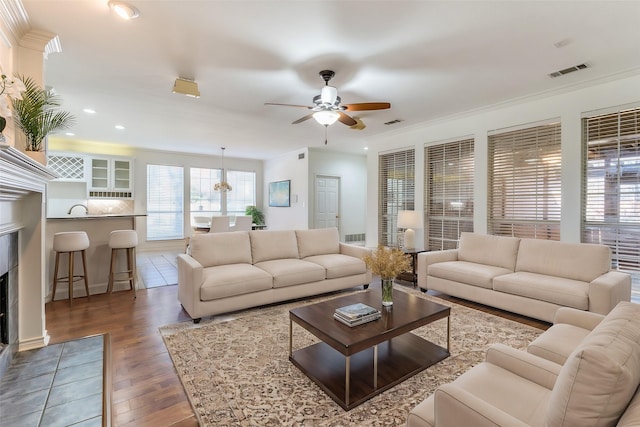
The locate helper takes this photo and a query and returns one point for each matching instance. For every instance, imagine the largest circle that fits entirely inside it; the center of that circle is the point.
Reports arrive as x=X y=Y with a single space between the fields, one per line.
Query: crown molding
x=15 y=18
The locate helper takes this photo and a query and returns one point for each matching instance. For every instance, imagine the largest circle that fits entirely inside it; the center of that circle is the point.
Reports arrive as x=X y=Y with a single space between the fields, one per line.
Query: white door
x=327 y=206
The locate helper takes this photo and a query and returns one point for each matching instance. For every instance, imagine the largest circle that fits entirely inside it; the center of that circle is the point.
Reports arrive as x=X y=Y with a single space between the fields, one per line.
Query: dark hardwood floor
x=146 y=388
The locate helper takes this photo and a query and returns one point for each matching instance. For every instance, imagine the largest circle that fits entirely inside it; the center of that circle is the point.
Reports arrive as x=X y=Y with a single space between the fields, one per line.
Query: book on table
x=356 y=314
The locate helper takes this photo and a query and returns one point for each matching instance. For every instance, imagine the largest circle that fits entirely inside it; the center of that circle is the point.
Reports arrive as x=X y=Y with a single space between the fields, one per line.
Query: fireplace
x=8 y=298
x=4 y=310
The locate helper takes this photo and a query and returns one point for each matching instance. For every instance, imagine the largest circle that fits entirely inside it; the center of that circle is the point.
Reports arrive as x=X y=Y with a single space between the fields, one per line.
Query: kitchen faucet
x=86 y=210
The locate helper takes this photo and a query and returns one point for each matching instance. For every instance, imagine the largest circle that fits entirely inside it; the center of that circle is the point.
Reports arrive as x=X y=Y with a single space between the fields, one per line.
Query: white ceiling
x=429 y=59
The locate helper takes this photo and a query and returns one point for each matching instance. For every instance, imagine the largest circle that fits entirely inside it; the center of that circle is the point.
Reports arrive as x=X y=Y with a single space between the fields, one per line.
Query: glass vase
x=387 y=292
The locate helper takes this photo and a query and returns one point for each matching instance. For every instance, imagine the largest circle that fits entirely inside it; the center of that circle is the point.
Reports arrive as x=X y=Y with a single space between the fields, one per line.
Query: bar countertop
x=94 y=216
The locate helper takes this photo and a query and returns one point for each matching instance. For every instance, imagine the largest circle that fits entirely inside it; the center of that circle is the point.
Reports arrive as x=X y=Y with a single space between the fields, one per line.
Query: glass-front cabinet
x=111 y=177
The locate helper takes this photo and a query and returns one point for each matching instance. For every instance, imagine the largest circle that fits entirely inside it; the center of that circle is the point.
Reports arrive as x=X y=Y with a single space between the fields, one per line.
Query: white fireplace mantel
x=23 y=184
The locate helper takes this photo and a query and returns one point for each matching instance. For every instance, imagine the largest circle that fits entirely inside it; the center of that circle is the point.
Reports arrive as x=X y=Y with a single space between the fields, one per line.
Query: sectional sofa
x=224 y=272
x=584 y=371
x=531 y=277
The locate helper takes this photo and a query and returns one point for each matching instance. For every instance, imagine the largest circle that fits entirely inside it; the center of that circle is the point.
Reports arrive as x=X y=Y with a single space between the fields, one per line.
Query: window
x=165 y=201
x=611 y=187
x=524 y=182
x=243 y=193
x=204 y=200
x=449 y=193
x=396 y=187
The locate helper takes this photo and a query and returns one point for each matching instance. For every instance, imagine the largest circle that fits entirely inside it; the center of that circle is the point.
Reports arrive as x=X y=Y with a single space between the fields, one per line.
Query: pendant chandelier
x=222 y=186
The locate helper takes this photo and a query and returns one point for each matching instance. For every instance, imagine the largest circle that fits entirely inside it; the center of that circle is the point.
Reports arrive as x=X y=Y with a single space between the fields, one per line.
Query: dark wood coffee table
x=353 y=364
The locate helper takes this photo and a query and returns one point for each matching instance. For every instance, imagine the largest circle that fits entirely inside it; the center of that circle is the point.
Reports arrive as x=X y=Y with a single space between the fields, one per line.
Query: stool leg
x=55 y=276
x=71 y=278
x=113 y=264
x=84 y=266
x=131 y=266
x=135 y=272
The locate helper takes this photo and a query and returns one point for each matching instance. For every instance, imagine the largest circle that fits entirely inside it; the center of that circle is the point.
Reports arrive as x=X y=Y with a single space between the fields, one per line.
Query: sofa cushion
x=631 y=416
x=467 y=272
x=267 y=245
x=233 y=279
x=558 y=342
x=600 y=377
x=556 y=290
x=290 y=272
x=577 y=261
x=319 y=241
x=338 y=265
x=497 y=251
x=212 y=249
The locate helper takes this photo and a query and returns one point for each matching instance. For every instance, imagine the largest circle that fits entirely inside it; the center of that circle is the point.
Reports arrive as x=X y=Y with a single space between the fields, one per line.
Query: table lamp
x=409 y=220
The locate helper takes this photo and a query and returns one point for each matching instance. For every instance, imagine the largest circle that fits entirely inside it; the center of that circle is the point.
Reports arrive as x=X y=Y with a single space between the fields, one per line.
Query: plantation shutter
x=525 y=182
x=396 y=191
x=611 y=186
x=165 y=202
x=449 y=193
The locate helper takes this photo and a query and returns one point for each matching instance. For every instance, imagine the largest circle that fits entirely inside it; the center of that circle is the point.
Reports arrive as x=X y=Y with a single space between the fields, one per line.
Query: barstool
x=70 y=242
x=128 y=240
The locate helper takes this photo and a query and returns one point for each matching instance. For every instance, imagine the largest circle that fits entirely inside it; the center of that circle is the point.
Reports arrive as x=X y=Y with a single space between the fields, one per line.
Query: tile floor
x=157 y=269
x=57 y=385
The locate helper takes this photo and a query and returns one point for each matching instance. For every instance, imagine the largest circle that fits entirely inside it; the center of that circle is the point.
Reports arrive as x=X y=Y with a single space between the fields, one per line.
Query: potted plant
x=256 y=214
x=387 y=263
x=37 y=114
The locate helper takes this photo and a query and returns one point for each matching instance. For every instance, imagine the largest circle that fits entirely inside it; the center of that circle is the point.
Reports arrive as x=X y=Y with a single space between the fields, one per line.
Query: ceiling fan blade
x=367 y=106
x=289 y=105
x=302 y=119
x=345 y=119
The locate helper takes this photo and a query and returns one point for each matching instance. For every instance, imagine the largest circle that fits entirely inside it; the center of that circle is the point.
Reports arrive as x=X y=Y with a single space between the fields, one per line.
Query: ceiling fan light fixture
x=326 y=117
x=329 y=94
x=186 y=87
x=124 y=10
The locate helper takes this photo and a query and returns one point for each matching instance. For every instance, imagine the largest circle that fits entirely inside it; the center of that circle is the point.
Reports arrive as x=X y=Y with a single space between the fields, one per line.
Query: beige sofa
x=224 y=272
x=595 y=382
x=531 y=277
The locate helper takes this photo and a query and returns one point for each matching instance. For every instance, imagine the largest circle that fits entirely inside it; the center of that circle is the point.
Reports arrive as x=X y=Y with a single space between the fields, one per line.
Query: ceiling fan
x=327 y=107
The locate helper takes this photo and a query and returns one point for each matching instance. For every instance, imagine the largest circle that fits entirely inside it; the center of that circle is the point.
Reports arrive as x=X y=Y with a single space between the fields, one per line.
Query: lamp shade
x=409 y=219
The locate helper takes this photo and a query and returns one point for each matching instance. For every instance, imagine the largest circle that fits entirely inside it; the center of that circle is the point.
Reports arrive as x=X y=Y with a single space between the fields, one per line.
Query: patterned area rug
x=236 y=371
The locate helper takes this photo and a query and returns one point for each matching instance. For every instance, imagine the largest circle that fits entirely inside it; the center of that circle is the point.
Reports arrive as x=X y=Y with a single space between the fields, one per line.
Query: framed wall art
x=280 y=194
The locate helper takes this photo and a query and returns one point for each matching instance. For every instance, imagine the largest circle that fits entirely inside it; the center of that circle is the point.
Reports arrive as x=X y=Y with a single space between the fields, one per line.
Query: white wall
x=352 y=171
x=568 y=106
x=290 y=167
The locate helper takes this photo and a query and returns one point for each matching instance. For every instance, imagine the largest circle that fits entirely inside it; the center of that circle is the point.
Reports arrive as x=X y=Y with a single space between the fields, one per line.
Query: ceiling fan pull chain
x=325 y=134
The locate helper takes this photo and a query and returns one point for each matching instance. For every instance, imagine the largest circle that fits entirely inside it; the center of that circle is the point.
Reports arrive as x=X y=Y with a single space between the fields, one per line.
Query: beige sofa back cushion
x=211 y=249
x=489 y=250
x=320 y=241
x=273 y=244
x=600 y=377
x=577 y=261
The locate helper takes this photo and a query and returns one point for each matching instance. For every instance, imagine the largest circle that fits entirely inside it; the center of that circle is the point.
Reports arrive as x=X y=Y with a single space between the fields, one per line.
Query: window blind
x=525 y=182
x=204 y=201
x=165 y=201
x=396 y=191
x=611 y=186
x=243 y=193
x=448 y=193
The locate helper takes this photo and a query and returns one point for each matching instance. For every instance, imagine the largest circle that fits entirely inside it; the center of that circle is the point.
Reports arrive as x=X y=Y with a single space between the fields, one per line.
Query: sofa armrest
x=582 y=319
x=354 y=250
x=533 y=368
x=608 y=290
x=455 y=407
x=425 y=259
x=190 y=278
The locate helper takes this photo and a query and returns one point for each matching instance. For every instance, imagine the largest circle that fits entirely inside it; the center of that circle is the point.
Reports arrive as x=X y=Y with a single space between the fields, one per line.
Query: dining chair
x=243 y=223
x=219 y=224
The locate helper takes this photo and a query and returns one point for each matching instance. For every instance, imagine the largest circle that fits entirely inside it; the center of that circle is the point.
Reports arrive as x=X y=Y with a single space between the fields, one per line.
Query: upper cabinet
x=111 y=177
x=70 y=166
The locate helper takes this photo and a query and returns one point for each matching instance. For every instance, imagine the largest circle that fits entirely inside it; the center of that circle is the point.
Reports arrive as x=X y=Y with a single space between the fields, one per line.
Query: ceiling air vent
x=568 y=70
x=393 y=122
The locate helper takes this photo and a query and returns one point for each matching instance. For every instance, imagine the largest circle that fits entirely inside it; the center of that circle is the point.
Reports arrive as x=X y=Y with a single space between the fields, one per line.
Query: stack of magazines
x=356 y=314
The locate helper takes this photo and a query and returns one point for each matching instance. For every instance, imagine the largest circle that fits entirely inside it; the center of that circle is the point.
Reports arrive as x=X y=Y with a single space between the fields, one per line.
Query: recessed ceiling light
x=119 y=127
x=70 y=134
x=124 y=10
x=89 y=110
x=366 y=148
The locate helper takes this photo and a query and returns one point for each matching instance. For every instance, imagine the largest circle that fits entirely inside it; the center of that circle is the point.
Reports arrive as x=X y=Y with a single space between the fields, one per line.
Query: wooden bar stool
x=128 y=240
x=70 y=242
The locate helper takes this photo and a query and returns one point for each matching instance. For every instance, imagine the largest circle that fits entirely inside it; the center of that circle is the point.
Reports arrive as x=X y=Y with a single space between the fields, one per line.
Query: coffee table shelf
x=354 y=364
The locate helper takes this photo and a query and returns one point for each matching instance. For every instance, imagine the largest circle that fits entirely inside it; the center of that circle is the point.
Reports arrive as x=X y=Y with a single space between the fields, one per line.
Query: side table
x=411 y=276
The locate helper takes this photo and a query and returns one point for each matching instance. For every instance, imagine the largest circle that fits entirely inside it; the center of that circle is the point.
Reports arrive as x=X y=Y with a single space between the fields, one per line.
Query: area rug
x=236 y=372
